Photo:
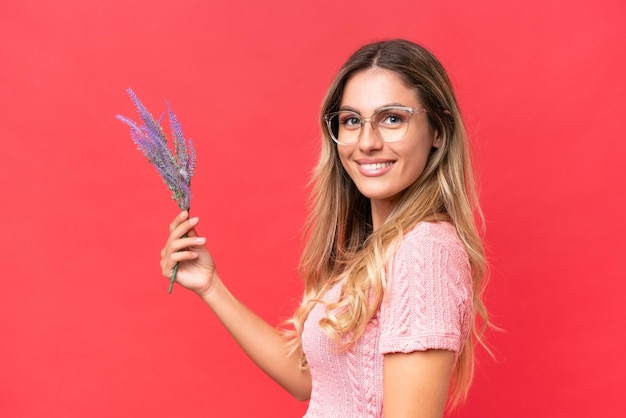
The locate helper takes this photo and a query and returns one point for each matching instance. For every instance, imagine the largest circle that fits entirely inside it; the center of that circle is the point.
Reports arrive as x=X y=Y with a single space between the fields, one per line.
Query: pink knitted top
x=427 y=305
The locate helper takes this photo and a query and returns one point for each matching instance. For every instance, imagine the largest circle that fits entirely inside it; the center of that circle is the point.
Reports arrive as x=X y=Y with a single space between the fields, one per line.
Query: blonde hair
x=341 y=244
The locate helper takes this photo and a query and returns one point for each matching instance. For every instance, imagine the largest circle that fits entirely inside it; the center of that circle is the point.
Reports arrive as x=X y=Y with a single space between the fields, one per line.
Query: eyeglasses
x=391 y=124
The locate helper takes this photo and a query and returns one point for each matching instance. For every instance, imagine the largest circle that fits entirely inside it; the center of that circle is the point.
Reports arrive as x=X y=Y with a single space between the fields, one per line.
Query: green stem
x=175 y=270
x=173 y=278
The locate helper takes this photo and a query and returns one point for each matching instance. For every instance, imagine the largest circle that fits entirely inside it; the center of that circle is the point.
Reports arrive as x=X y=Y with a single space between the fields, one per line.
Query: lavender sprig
x=175 y=169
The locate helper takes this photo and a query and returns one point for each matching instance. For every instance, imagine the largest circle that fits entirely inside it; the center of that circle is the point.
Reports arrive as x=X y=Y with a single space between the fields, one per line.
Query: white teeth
x=376 y=166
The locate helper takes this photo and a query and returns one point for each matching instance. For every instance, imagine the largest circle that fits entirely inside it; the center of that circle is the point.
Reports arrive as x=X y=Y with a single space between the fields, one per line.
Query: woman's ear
x=437 y=140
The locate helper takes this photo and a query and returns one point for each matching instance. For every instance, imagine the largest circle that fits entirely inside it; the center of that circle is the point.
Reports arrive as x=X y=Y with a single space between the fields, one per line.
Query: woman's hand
x=196 y=269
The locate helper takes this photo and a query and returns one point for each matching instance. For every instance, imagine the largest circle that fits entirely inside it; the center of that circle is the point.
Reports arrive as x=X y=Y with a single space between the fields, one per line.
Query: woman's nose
x=369 y=138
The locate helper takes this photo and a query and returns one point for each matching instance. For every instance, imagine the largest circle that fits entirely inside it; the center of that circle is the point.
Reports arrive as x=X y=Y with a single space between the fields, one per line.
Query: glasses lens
x=392 y=123
x=344 y=127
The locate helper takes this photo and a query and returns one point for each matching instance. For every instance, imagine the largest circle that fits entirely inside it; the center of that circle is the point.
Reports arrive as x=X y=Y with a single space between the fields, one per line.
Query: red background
x=87 y=328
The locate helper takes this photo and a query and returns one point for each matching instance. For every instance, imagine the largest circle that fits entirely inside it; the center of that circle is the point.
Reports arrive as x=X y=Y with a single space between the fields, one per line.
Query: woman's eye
x=351 y=121
x=392 y=119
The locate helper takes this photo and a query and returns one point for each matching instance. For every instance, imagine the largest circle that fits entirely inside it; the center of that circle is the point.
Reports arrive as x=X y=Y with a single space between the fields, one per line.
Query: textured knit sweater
x=427 y=305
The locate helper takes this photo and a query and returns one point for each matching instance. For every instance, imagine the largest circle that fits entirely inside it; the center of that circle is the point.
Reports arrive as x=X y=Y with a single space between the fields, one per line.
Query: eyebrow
x=352 y=109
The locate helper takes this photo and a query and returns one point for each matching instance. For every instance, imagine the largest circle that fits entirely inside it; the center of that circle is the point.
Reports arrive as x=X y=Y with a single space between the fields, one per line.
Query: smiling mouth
x=376 y=166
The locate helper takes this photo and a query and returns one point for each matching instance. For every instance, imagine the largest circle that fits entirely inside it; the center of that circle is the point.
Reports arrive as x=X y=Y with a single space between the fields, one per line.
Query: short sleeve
x=428 y=300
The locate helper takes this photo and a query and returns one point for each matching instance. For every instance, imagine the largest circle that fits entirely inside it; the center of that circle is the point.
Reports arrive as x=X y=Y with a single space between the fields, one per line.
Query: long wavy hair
x=340 y=241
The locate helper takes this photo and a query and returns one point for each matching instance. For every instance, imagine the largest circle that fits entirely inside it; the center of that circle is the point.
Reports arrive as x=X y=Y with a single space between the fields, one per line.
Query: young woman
x=393 y=264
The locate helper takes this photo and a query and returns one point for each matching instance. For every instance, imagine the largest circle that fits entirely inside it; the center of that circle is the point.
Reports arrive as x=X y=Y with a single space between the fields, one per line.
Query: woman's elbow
x=302 y=390
x=302 y=395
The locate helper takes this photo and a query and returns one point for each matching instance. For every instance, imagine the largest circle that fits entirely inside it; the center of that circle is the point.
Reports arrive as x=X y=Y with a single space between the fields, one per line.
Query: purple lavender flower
x=175 y=169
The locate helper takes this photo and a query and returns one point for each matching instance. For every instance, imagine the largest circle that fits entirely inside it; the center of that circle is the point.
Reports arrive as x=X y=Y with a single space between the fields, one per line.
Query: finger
x=183 y=243
x=184 y=228
x=181 y=256
x=174 y=245
x=180 y=218
x=192 y=232
x=168 y=263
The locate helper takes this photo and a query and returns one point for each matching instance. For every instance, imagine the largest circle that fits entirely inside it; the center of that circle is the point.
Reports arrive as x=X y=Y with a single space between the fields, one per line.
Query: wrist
x=208 y=293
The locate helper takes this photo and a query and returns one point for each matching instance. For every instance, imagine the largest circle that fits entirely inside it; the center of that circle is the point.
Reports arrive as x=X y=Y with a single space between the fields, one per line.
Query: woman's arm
x=264 y=344
x=416 y=384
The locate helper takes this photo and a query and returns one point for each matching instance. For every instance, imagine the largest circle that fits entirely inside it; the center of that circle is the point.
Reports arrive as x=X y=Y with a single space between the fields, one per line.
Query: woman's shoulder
x=432 y=231
x=432 y=235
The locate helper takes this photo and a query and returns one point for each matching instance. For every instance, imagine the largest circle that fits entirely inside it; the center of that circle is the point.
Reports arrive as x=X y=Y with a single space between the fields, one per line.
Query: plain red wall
x=87 y=328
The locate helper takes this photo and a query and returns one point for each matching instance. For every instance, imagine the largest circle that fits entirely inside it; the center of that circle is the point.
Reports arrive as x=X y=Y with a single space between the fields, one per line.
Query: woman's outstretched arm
x=263 y=343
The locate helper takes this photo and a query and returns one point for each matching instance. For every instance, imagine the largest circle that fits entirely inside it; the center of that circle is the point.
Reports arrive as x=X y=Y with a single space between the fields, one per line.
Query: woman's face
x=383 y=170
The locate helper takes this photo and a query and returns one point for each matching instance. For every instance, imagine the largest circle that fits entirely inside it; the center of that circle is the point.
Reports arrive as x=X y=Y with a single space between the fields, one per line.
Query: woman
x=393 y=263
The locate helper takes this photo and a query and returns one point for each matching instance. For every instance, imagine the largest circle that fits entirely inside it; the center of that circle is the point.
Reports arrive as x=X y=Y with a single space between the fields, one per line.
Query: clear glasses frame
x=391 y=123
